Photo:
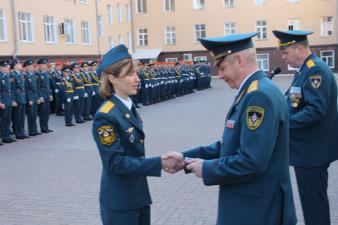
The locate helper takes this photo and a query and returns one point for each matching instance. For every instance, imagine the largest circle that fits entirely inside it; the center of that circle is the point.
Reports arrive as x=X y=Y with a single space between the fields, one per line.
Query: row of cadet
x=160 y=82
x=72 y=90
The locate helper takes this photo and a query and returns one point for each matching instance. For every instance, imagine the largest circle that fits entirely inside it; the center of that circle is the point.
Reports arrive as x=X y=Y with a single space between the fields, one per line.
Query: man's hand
x=196 y=166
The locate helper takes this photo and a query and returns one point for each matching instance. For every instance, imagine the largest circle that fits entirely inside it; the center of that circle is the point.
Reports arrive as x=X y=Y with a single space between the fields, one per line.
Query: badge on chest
x=130 y=132
x=295 y=94
x=230 y=124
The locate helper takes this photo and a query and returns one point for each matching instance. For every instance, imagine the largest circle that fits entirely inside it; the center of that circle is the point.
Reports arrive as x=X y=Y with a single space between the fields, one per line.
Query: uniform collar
x=247 y=81
x=311 y=56
x=127 y=102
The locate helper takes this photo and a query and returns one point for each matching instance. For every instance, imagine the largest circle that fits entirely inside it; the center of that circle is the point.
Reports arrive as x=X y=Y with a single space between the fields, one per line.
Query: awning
x=146 y=54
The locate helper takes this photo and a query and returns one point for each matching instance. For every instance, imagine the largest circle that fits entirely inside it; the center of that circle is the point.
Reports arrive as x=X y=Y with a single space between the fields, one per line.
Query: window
x=25 y=27
x=170 y=35
x=198 y=4
x=49 y=29
x=229 y=3
x=293 y=1
x=85 y=30
x=328 y=57
x=229 y=28
x=130 y=44
x=110 y=14
x=84 y=2
x=169 y=5
x=111 y=42
x=69 y=31
x=199 y=32
x=119 y=12
x=141 y=6
x=263 y=61
x=128 y=13
x=120 y=39
x=294 y=22
x=260 y=2
x=326 y=26
x=261 y=29
x=200 y=59
x=100 y=25
x=142 y=37
x=171 y=59
x=187 y=57
x=3 y=28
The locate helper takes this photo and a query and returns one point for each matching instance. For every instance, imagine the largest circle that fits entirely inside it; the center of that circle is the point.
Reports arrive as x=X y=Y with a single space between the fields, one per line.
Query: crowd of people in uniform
x=35 y=89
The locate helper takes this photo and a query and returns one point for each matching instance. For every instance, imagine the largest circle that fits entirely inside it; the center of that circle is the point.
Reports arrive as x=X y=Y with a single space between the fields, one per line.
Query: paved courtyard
x=53 y=179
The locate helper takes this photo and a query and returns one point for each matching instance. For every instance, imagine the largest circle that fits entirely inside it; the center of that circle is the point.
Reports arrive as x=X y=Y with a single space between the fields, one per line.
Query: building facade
x=167 y=29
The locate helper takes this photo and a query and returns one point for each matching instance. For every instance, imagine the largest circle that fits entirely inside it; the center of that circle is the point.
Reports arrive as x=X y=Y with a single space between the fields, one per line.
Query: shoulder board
x=310 y=63
x=253 y=86
x=107 y=107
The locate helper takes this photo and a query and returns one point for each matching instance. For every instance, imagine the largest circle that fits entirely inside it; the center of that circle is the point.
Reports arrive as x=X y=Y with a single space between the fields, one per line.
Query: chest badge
x=230 y=124
x=295 y=95
x=254 y=117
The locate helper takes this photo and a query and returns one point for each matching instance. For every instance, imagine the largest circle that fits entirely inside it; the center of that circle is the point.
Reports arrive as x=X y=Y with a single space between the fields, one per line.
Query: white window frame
x=25 y=21
x=294 y=22
x=262 y=62
x=70 y=31
x=325 y=58
x=326 y=27
x=100 y=26
x=198 y=4
x=229 y=3
x=49 y=26
x=3 y=23
x=110 y=14
x=262 y=30
x=128 y=13
x=171 y=59
x=229 y=28
x=141 y=6
x=119 y=13
x=142 y=37
x=187 y=57
x=86 y=2
x=129 y=41
x=200 y=58
x=293 y=1
x=86 y=33
x=111 y=42
x=260 y=2
x=170 y=35
x=199 y=32
x=169 y=5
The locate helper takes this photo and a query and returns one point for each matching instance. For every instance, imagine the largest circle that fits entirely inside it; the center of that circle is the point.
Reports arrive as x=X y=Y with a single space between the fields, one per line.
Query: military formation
x=30 y=91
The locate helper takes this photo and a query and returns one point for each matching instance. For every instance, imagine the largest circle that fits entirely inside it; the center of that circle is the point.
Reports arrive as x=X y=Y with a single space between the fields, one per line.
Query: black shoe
x=1 y=143
x=49 y=131
x=81 y=121
x=70 y=125
x=25 y=136
x=20 y=137
x=7 y=141
x=88 y=119
x=38 y=133
x=44 y=131
x=33 y=134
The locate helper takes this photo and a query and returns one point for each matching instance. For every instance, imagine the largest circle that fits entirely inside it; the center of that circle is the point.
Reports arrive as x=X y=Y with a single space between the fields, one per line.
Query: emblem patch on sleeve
x=254 y=117
x=315 y=81
x=106 y=134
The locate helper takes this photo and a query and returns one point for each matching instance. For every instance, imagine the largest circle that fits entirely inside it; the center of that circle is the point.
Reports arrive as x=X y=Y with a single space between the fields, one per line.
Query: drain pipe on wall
x=15 y=51
x=97 y=30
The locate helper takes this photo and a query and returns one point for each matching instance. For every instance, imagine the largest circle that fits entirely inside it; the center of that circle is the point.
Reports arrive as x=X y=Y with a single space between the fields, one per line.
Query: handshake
x=172 y=162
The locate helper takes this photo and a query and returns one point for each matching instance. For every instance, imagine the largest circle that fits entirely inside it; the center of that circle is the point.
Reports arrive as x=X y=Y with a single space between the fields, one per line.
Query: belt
x=87 y=85
x=58 y=83
x=96 y=84
x=70 y=91
x=80 y=87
